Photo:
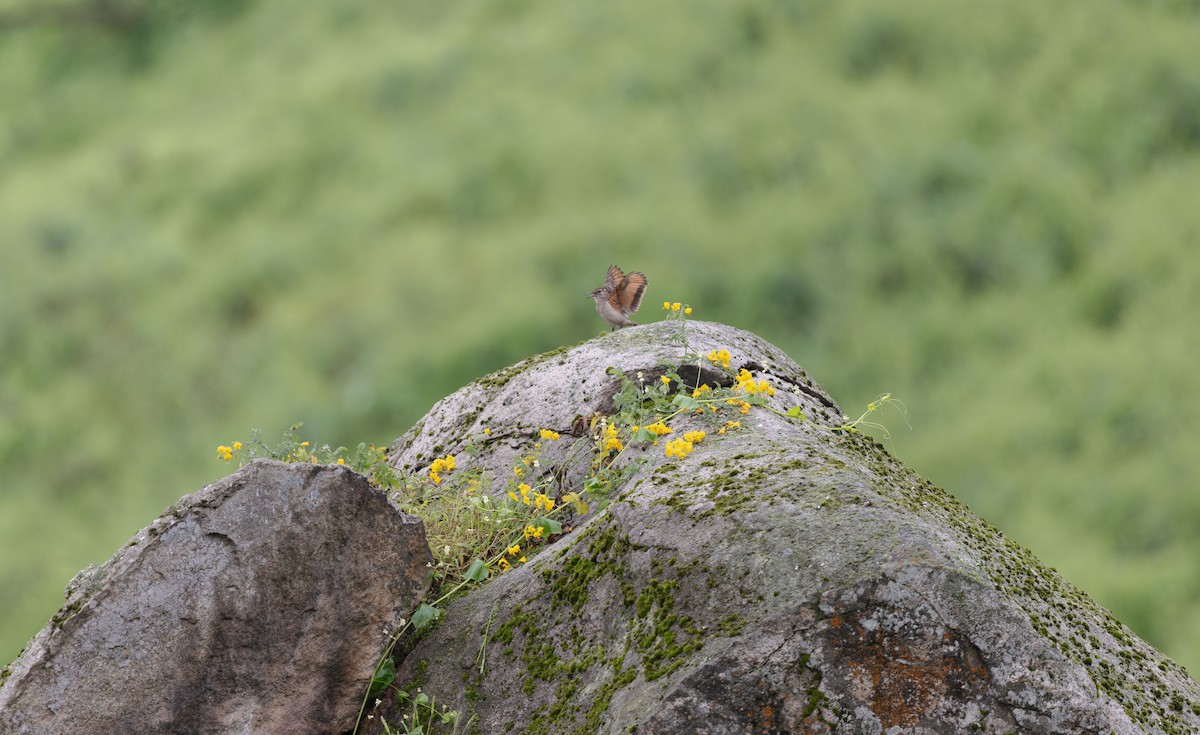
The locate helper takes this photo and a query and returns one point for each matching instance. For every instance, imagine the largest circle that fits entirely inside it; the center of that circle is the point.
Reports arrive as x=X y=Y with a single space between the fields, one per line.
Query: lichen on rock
x=784 y=577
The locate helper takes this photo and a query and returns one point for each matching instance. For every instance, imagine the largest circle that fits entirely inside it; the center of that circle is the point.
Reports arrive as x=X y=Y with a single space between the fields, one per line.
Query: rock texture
x=259 y=604
x=783 y=578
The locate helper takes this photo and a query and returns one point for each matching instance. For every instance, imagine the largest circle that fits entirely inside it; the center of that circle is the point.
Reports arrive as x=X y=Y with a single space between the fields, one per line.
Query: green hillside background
x=231 y=214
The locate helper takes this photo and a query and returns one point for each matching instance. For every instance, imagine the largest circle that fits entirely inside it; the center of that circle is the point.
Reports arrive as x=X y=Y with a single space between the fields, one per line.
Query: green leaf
x=478 y=571
x=425 y=615
x=795 y=412
x=685 y=402
x=581 y=506
x=644 y=435
x=549 y=526
x=385 y=674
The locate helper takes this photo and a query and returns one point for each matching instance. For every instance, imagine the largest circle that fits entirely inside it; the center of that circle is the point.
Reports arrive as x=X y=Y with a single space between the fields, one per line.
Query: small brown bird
x=620 y=296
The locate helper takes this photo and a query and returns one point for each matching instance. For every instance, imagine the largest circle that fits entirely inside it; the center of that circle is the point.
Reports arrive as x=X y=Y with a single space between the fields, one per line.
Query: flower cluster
x=548 y=434
x=528 y=497
x=683 y=447
x=658 y=428
x=226 y=453
x=611 y=439
x=676 y=308
x=746 y=384
x=445 y=464
x=513 y=551
x=720 y=357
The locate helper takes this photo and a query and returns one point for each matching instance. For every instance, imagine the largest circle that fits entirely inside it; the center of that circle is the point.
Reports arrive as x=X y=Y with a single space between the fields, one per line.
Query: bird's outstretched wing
x=614 y=278
x=633 y=287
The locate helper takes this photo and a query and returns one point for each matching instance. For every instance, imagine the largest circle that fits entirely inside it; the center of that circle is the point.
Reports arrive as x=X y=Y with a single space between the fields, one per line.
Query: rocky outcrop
x=259 y=604
x=786 y=577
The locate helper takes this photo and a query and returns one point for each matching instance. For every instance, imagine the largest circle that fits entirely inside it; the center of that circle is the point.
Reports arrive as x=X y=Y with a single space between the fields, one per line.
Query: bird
x=620 y=296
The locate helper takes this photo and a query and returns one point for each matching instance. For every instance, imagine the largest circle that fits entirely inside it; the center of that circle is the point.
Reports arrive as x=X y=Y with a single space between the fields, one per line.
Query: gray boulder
x=259 y=604
x=786 y=577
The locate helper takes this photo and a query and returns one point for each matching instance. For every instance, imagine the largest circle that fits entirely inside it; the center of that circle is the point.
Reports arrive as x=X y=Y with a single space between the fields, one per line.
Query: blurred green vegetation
x=242 y=213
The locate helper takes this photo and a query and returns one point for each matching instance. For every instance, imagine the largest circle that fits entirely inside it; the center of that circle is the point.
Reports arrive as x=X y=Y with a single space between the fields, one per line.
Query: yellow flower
x=730 y=425
x=547 y=434
x=676 y=306
x=504 y=565
x=487 y=431
x=513 y=495
x=658 y=428
x=514 y=550
x=745 y=381
x=665 y=380
x=237 y=446
x=611 y=440
x=695 y=437
x=341 y=461
x=440 y=465
x=719 y=357
x=524 y=488
x=518 y=471
x=688 y=311
x=304 y=444
x=522 y=560
x=701 y=390
x=666 y=304
x=224 y=452
x=678 y=448
x=529 y=532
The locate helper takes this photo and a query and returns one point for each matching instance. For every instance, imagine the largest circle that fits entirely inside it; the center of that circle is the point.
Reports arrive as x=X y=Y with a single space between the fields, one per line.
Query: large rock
x=259 y=604
x=783 y=578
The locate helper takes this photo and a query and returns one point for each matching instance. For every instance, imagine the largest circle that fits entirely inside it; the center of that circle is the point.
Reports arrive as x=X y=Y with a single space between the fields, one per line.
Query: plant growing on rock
x=479 y=525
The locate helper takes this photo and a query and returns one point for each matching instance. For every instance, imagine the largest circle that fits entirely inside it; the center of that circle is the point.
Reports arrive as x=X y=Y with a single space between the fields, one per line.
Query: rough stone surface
x=259 y=604
x=783 y=578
